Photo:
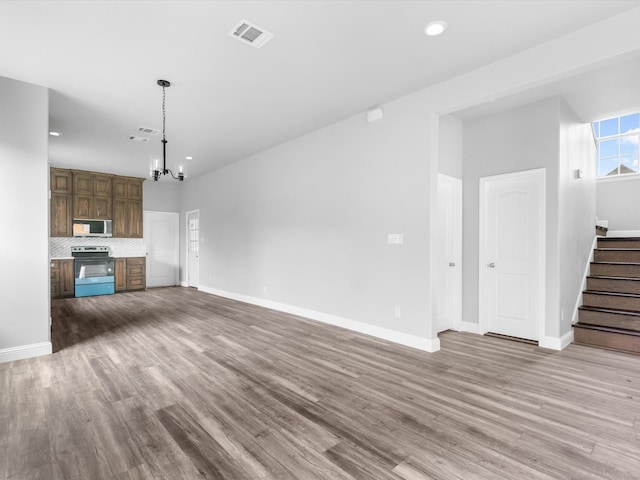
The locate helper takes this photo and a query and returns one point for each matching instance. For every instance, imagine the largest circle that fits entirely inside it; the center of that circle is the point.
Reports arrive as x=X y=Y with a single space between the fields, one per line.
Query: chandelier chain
x=156 y=172
x=163 y=112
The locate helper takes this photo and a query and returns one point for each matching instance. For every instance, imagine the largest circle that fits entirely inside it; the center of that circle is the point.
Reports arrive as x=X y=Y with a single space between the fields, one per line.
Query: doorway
x=161 y=237
x=449 y=248
x=512 y=254
x=193 y=248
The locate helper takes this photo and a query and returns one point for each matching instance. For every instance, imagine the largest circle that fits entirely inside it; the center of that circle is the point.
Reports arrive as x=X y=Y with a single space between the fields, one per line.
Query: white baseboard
x=25 y=351
x=183 y=284
x=424 y=344
x=470 y=327
x=623 y=233
x=555 y=343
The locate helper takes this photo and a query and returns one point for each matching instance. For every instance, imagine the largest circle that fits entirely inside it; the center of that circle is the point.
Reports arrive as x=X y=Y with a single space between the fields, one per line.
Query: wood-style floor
x=177 y=384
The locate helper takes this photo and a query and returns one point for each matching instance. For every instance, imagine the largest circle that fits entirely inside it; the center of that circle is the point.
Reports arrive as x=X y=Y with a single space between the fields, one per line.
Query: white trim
x=470 y=327
x=623 y=233
x=456 y=184
x=25 y=351
x=618 y=178
x=555 y=343
x=186 y=242
x=424 y=344
x=583 y=287
x=183 y=283
x=542 y=205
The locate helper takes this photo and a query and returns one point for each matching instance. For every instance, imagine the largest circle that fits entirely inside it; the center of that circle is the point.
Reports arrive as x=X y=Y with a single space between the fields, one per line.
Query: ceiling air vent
x=251 y=34
x=149 y=131
x=135 y=138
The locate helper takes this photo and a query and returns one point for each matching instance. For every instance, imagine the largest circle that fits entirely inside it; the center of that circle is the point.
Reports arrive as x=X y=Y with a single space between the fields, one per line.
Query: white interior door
x=512 y=229
x=161 y=238
x=193 y=248
x=449 y=238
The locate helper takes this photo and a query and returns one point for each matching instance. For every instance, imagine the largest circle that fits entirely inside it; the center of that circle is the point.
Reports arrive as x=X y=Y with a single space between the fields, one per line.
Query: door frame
x=186 y=242
x=540 y=175
x=457 y=226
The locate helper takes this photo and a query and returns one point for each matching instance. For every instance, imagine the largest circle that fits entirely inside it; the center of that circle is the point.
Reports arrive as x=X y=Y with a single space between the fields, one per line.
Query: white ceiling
x=608 y=91
x=328 y=60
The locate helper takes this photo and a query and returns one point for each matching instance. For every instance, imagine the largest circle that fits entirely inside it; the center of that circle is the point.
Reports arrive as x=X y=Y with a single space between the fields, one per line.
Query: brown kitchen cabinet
x=127 y=207
x=91 y=195
x=136 y=273
x=62 y=278
x=131 y=274
x=92 y=198
x=61 y=203
x=120 y=274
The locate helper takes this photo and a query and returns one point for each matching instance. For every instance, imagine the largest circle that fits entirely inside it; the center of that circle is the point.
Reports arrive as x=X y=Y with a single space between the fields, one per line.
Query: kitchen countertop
x=71 y=258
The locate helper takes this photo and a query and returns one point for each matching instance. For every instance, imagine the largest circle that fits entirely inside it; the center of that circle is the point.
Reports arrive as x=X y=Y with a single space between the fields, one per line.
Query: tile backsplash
x=60 y=247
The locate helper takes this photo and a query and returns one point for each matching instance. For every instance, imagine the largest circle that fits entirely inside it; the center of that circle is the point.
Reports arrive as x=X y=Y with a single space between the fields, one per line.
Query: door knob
x=452 y=264
x=492 y=265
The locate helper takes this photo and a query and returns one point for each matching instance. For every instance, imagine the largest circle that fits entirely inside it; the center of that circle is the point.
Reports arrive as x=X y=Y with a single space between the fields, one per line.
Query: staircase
x=610 y=312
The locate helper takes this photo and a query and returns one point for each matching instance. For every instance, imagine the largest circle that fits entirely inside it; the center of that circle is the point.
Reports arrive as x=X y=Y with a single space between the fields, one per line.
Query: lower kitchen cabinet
x=136 y=273
x=131 y=273
x=120 y=274
x=62 y=278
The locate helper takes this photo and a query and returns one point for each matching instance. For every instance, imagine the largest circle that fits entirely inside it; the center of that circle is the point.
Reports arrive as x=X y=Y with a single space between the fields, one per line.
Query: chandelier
x=156 y=169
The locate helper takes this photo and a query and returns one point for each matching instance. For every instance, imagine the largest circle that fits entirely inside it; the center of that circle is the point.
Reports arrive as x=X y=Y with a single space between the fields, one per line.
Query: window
x=617 y=145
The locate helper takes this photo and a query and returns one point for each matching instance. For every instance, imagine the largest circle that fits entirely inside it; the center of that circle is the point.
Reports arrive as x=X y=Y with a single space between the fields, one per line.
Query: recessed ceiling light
x=54 y=134
x=189 y=158
x=435 y=28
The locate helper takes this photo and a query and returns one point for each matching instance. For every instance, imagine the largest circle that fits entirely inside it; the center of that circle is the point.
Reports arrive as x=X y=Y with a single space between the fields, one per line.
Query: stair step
x=615 y=338
x=627 y=255
x=614 y=284
x=620 y=301
x=610 y=317
x=619 y=242
x=615 y=269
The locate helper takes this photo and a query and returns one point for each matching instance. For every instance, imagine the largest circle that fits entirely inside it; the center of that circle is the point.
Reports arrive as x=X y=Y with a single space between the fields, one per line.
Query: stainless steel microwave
x=92 y=228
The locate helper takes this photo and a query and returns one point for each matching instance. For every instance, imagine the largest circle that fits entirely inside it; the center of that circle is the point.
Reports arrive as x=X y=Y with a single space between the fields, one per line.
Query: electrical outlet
x=396 y=312
x=264 y=289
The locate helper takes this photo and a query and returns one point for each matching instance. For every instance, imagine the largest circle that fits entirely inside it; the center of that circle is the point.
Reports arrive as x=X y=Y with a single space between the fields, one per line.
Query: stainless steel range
x=94 y=271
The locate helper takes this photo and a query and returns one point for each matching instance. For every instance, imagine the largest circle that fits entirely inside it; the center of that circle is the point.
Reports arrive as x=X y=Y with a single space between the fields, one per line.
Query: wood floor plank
x=73 y=455
x=208 y=456
x=173 y=383
x=161 y=455
x=28 y=455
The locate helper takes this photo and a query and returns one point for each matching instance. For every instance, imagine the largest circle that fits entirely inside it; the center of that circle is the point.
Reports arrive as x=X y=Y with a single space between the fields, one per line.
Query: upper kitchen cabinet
x=61 y=202
x=61 y=181
x=98 y=196
x=127 y=207
x=92 y=195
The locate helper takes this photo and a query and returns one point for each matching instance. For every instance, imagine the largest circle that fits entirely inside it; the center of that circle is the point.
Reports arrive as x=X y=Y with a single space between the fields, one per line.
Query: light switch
x=395 y=238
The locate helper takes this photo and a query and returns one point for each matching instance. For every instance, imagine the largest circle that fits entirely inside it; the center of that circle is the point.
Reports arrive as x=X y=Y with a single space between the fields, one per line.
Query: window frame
x=596 y=128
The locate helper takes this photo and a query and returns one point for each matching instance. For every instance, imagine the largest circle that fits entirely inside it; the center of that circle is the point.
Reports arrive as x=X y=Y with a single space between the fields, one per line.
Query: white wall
x=162 y=196
x=618 y=201
x=520 y=139
x=450 y=146
x=24 y=215
x=577 y=215
x=543 y=134
x=309 y=220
